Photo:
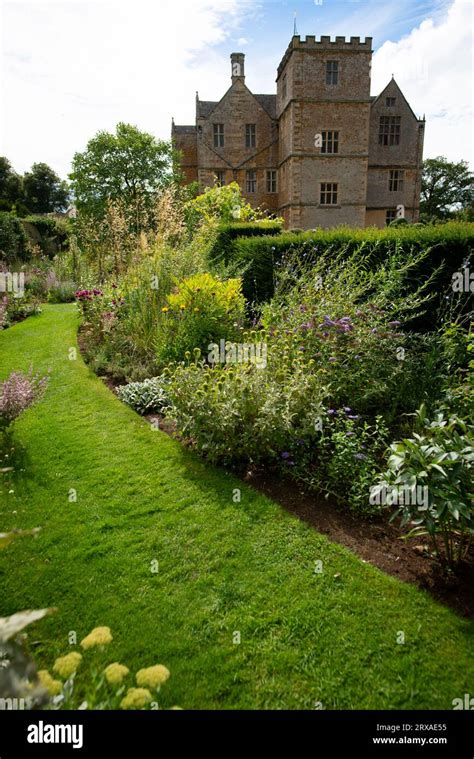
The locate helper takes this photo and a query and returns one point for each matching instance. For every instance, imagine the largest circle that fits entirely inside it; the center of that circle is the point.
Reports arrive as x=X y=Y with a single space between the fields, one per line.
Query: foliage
x=200 y=310
x=17 y=393
x=446 y=187
x=222 y=202
x=223 y=248
x=333 y=340
x=44 y=192
x=13 y=240
x=11 y=186
x=147 y=397
x=14 y=310
x=440 y=458
x=129 y=166
x=449 y=244
x=348 y=458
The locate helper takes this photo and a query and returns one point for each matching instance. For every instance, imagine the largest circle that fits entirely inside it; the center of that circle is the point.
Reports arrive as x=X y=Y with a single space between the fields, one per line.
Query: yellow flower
x=153 y=677
x=196 y=310
x=66 y=665
x=136 y=698
x=54 y=687
x=165 y=309
x=115 y=673
x=99 y=636
x=182 y=306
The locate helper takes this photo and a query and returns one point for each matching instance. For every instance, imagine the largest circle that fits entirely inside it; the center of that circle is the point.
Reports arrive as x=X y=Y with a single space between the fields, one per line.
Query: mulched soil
x=377 y=541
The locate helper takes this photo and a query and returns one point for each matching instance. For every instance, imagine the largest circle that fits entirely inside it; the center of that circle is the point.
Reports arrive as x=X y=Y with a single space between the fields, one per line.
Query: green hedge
x=450 y=244
x=223 y=249
x=13 y=240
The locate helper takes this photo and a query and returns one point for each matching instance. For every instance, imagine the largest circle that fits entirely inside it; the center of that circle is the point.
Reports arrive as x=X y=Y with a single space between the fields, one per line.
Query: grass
x=223 y=566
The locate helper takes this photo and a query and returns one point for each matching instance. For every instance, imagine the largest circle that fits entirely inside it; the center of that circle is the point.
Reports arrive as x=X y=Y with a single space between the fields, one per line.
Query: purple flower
x=347 y=410
x=394 y=324
x=352 y=416
x=285 y=455
x=332 y=359
x=360 y=456
x=331 y=411
x=349 y=434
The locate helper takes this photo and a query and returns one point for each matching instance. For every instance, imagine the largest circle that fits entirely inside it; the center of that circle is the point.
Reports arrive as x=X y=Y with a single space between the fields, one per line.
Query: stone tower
x=321 y=152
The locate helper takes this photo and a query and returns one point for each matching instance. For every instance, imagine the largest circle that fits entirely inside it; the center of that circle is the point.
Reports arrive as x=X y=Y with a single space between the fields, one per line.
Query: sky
x=69 y=68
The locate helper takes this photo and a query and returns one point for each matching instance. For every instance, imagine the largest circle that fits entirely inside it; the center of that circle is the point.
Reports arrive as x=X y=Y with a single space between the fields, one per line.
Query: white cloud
x=71 y=68
x=433 y=67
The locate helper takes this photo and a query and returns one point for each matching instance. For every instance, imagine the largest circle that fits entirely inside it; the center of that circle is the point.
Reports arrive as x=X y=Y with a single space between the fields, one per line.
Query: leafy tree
x=44 y=192
x=129 y=166
x=446 y=188
x=11 y=185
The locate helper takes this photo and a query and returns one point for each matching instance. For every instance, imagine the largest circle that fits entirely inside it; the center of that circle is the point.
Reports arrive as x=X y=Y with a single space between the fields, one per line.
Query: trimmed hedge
x=223 y=249
x=451 y=244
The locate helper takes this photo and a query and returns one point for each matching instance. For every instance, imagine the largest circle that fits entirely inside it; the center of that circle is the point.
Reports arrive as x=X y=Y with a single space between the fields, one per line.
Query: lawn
x=224 y=566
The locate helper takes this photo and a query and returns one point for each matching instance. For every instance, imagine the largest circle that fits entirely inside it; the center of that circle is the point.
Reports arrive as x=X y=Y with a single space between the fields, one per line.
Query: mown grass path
x=223 y=566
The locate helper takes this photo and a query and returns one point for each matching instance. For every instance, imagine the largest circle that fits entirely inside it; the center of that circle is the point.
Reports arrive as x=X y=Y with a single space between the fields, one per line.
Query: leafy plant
x=147 y=397
x=202 y=309
x=439 y=458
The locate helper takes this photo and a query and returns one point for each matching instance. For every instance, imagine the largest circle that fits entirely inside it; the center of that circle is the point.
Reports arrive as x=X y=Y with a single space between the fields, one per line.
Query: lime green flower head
x=152 y=677
x=65 y=666
x=54 y=687
x=136 y=698
x=115 y=673
x=99 y=636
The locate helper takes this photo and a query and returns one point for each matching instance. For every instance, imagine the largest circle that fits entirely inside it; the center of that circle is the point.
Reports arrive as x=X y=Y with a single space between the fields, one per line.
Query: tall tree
x=129 y=166
x=11 y=184
x=44 y=191
x=446 y=188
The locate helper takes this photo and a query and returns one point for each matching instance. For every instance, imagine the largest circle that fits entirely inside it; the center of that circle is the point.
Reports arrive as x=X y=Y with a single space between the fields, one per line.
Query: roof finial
x=295 y=31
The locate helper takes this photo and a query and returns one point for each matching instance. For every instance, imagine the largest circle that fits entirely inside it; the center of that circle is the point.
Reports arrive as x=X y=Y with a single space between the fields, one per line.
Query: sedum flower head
x=54 y=687
x=152 y=677
x=65 y=666
x=115 y=673
x=136 y=698
x=99 y=636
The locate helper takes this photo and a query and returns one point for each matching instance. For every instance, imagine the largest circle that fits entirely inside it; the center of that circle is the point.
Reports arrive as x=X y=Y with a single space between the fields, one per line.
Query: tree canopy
x=129 y=166
x=44 y=192
x=446 y=188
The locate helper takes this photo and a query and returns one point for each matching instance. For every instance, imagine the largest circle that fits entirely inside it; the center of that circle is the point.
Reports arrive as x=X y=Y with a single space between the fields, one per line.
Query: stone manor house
x=322 y=151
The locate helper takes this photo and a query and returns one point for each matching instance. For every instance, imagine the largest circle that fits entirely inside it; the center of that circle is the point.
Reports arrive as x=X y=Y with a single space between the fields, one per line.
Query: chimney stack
x=237 y=62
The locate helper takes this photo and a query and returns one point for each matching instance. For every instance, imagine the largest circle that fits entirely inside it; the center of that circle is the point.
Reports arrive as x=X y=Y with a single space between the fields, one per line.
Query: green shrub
x=147 y=397
x=62 y=292
x=349 y=458
x=431 y=477
x=13 y=240
x=201 y=310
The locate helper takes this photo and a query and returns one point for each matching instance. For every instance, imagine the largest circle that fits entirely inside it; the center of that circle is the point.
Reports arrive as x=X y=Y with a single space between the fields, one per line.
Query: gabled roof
x=390 y=85
x=205 y=108
x=268 y=102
